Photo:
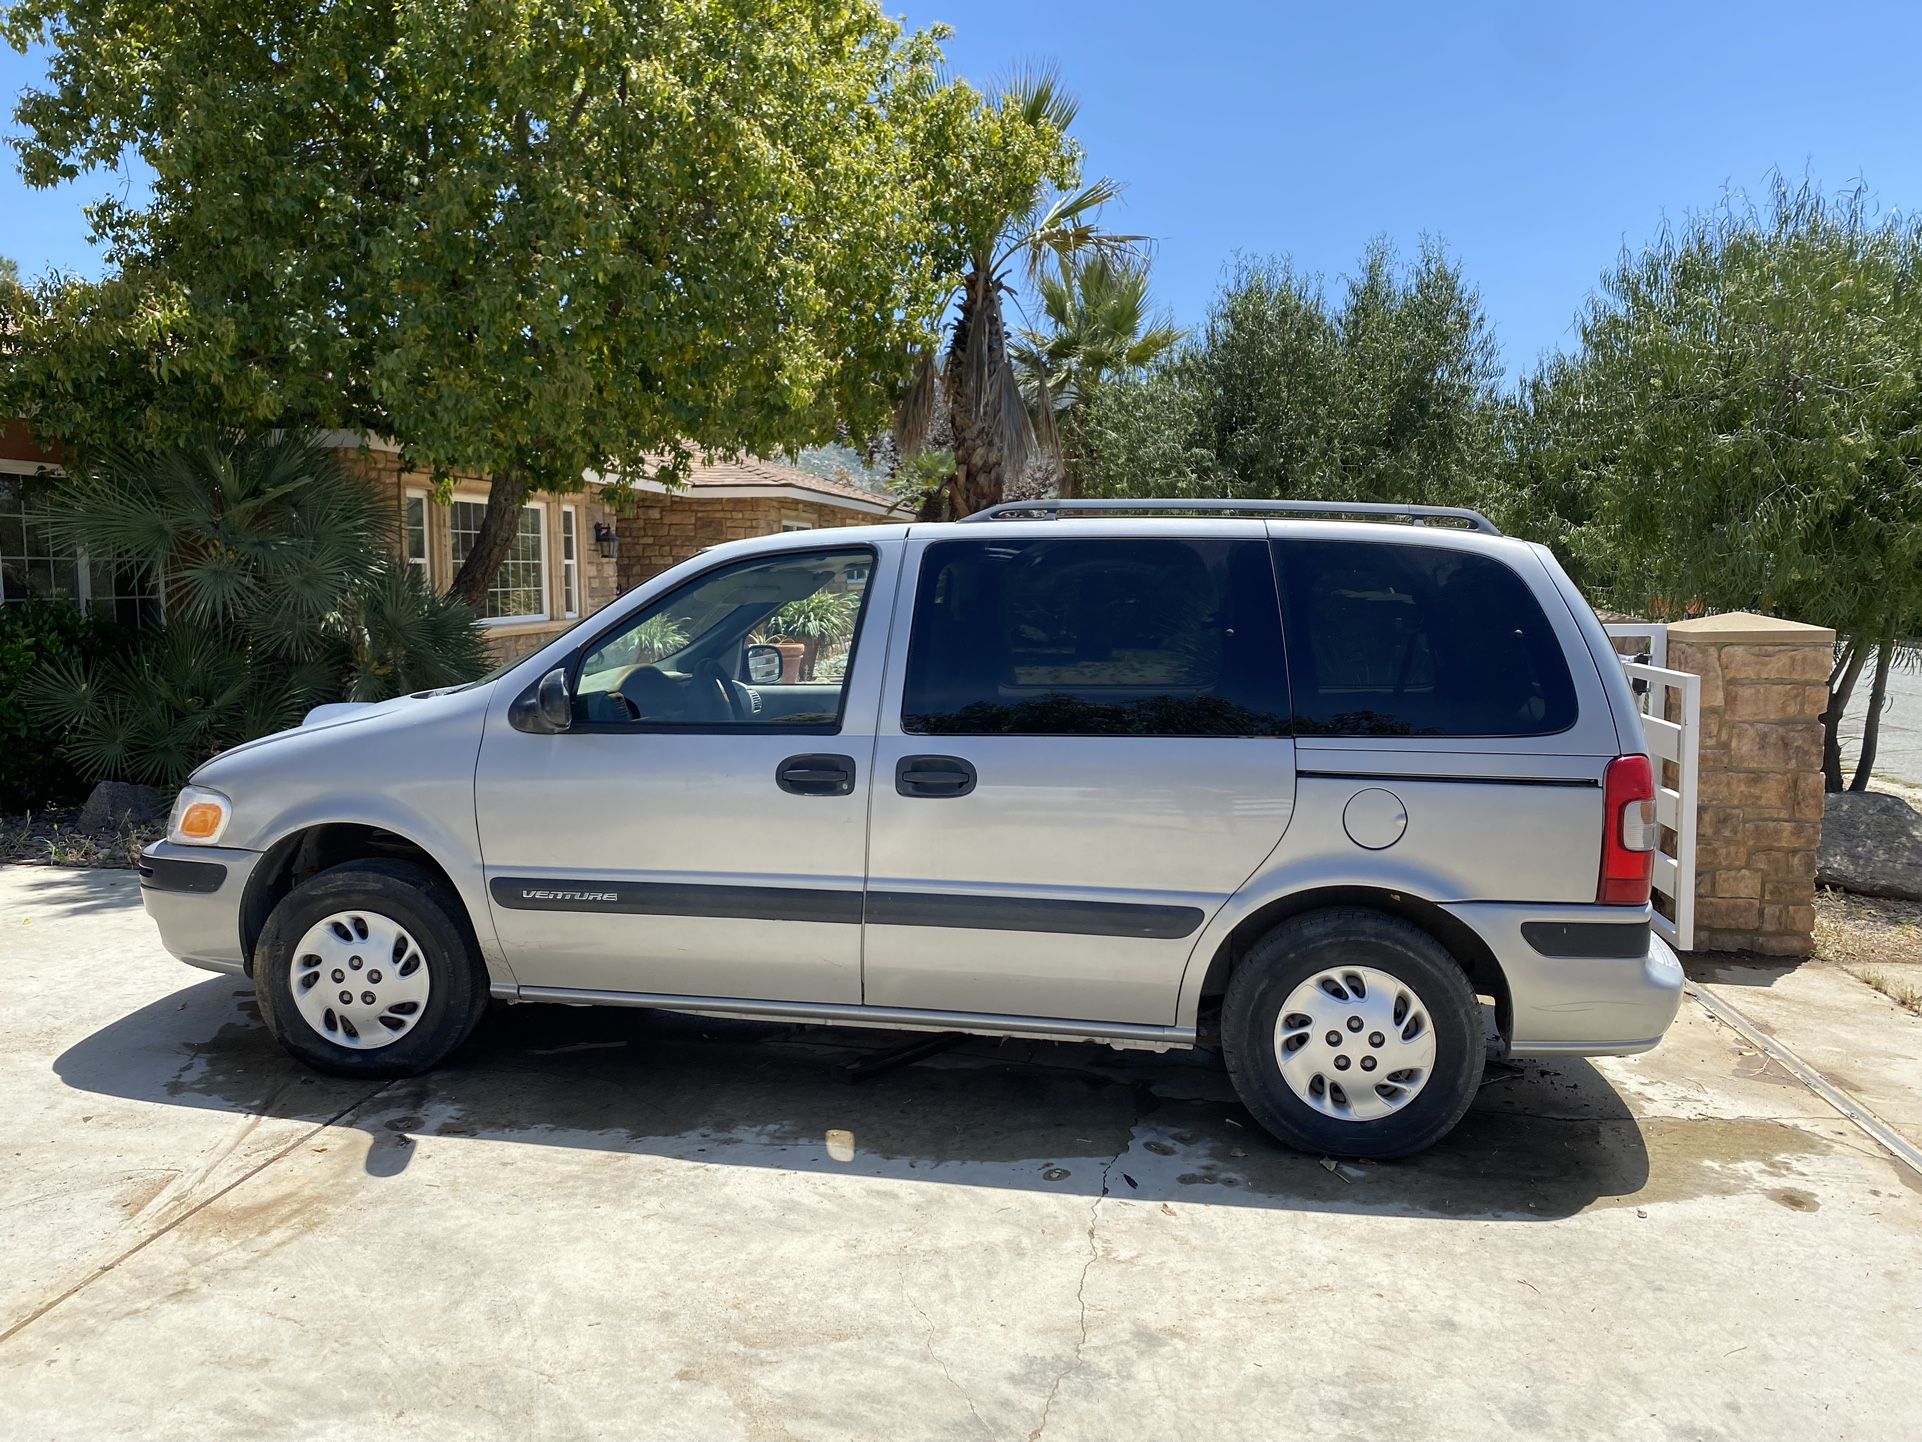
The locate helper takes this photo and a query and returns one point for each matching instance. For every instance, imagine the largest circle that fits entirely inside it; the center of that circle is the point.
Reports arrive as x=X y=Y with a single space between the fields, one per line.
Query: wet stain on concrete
x=1795 y=1199
x=1753 y=1065
x=1549 y=1141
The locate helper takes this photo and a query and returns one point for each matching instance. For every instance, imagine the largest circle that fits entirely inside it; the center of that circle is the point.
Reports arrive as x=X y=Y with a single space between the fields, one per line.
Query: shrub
x=34 y=636
x=282 y=592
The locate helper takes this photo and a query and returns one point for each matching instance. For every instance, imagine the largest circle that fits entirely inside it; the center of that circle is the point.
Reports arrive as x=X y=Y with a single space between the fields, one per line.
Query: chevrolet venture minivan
x=1342 y=784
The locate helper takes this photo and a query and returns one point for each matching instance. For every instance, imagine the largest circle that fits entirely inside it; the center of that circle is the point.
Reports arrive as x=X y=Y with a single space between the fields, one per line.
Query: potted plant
x=811 y=623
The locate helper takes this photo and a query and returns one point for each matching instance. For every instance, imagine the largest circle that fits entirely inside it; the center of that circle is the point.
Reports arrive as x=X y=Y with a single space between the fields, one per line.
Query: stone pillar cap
x=1747 y=626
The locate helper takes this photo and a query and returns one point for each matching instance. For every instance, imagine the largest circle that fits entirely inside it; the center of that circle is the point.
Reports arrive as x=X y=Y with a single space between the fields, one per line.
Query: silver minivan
x=1359 y=792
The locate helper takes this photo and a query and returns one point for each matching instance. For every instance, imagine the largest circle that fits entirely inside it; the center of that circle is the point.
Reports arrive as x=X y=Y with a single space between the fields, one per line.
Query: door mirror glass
x=763 y=664
x=555 y=706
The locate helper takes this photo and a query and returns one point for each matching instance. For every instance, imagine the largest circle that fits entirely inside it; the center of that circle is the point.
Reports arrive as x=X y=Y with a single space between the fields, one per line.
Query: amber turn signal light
x=202 y=821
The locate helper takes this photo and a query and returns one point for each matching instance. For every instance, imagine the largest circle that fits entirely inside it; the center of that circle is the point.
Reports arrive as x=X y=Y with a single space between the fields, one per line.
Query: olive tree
x=533 y=239
x=1745 y=416
x=1387 y=394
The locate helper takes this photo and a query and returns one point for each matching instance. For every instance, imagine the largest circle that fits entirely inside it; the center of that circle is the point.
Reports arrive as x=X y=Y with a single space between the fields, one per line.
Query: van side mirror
x=763 y=664
x=545 y=707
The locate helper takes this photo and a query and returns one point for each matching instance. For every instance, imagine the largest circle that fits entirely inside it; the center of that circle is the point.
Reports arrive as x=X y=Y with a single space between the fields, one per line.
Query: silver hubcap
x=1355 y=1043
x=359 y=979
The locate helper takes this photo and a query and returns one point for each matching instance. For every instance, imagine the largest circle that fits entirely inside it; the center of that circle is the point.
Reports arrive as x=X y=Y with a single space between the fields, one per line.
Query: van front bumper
x=1582 y=980
x=193 y=894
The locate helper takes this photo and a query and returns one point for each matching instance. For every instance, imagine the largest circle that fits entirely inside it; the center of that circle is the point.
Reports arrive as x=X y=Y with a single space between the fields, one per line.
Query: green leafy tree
x=527 y=240
x=1539 y=485
x=281 y=592
x=1100 y=323
x=1000 y=234
x=1745 y=420
x=1389 y=395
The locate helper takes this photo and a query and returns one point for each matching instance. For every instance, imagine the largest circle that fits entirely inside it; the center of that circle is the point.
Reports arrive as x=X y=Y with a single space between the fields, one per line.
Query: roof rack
x=1419 y=515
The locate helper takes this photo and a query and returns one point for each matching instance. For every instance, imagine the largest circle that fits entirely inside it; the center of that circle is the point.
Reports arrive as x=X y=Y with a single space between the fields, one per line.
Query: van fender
x=1292 y=878
x=457 y=854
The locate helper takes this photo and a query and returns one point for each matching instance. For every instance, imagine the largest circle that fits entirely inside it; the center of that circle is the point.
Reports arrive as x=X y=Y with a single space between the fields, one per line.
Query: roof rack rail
x=1419 y=515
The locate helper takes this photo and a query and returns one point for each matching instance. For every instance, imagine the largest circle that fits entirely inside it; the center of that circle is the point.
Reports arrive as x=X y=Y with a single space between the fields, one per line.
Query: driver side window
x=760 y=643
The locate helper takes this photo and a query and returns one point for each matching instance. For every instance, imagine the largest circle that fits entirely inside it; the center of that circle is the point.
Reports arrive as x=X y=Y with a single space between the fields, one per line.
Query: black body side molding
x=168 y=873
x=1619 y=940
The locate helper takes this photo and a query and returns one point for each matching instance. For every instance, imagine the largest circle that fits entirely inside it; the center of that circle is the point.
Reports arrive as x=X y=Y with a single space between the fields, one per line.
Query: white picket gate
x=1671 y=703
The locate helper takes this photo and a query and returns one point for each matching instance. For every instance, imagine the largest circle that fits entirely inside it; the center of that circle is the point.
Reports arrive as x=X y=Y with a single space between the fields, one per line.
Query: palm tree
x=991 y=429
x=1100 y=324
x=282 y=591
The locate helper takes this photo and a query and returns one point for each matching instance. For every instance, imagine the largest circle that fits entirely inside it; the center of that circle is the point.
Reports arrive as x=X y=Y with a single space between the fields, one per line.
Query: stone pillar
x=1759 y=821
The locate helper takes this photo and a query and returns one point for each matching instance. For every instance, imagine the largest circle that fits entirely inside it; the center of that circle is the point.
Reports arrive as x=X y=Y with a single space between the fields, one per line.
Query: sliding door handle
x=933 y=776
x=816 y=775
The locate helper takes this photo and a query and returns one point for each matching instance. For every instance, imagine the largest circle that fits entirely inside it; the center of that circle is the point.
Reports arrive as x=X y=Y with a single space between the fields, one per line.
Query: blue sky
x=1533 y=140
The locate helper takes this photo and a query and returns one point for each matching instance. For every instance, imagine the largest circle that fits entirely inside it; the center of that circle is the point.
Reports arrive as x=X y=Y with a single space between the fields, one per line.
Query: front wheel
x=366 y=970
x=1352 y=1033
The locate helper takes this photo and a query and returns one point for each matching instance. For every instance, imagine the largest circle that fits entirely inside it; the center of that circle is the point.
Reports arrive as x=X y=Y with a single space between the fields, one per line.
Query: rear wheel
x=365 y=969
x=1352 y=1033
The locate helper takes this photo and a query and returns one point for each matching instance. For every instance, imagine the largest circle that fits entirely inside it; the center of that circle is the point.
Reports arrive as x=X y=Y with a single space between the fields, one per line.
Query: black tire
x=423 y=904
x=1318 y=941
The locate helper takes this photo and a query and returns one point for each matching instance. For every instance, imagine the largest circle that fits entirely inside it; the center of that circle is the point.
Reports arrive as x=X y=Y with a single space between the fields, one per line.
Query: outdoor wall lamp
x=606 y=541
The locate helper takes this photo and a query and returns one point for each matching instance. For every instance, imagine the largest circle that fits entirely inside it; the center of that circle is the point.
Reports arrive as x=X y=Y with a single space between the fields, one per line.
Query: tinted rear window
x=1407 y=640
x=1123 y=637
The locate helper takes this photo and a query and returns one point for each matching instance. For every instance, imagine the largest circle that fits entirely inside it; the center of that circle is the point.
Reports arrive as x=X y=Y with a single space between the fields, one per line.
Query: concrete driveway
x=622 y=1224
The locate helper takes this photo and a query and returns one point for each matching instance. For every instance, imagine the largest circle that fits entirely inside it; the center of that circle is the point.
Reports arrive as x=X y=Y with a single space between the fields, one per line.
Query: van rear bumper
x=1582 y=980
x=193 y=894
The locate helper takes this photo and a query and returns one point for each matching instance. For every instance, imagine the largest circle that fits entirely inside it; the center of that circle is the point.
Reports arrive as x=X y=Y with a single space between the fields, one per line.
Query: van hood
x=334 y=713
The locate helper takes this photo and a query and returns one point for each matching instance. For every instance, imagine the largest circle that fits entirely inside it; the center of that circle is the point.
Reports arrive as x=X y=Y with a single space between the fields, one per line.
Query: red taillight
x=1628 y=832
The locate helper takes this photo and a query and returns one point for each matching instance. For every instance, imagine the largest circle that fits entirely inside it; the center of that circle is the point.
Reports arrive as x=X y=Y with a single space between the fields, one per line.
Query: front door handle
x=933 y=776
x=816 y=775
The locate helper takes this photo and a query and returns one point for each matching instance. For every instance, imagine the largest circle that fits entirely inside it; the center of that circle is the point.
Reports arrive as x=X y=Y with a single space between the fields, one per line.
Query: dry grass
x=1898 y=991
x=1875 y=940
x=51 y=838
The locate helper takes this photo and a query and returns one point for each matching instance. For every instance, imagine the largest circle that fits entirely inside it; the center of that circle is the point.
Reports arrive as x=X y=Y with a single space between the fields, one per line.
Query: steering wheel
x=712 y=679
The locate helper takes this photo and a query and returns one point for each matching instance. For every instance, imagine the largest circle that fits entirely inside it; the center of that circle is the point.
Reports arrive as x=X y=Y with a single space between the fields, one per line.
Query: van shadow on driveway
x=1542 y=1141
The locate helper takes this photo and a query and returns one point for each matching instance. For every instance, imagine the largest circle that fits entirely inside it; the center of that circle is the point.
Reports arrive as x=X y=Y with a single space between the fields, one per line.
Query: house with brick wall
x=560 y=568
x=573 y=553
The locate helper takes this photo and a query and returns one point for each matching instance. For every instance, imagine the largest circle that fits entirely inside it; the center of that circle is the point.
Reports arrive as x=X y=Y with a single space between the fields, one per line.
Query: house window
x=796 y=526
x=34 y=568
x=414 y=530
x=122 y=591
x=519 y=592
x=570 y=565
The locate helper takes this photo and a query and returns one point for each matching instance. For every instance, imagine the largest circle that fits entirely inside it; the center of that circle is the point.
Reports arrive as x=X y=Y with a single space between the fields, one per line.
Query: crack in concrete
x=1081 y=1284
x=927 y=1343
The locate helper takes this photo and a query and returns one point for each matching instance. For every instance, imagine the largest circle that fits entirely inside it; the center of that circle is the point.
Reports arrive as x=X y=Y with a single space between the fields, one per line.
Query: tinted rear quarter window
x=1417 y=640
x=1096 y=637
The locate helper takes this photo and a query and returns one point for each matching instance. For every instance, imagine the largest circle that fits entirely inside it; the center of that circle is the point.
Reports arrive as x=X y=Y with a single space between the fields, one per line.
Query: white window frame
x=426 y=558
x=570 y=563
x=83 y=587
x=546 y=612
x=787 y=526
